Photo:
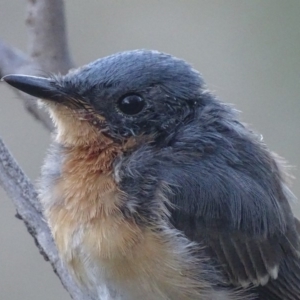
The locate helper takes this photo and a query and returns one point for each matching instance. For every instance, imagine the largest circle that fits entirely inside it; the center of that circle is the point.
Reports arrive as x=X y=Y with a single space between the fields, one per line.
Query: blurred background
x=247 y=51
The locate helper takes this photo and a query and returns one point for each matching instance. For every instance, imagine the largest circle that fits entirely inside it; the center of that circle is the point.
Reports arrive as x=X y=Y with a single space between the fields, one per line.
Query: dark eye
x=131 y=104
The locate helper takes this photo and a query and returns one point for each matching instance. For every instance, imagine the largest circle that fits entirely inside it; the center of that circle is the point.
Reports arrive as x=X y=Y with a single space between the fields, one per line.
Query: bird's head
x=124 y=95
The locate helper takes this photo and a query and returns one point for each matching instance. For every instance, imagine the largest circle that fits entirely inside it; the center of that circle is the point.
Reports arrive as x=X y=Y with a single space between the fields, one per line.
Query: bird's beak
x=39 y=87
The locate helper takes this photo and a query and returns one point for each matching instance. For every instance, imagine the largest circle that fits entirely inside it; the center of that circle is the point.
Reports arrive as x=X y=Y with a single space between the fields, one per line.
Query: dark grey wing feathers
x=242 y=254
x=241 y=212
x=286 y=287
x=245 y=261
x=269 y=261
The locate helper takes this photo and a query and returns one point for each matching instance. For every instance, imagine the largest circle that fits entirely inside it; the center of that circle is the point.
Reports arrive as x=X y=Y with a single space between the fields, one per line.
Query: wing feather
x=245 y=222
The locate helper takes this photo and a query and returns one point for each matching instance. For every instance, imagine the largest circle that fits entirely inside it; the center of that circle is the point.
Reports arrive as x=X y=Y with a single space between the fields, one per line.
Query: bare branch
x=34 y=109
x=11 y=59
x=47 y=39
x=24 y=197
x=48 y=52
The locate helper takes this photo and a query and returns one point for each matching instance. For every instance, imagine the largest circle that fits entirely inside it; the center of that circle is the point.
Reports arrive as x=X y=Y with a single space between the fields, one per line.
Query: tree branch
x=24 y=197
x=47 y=38
x=11 y=59
x=48 y=52
x=47 y=47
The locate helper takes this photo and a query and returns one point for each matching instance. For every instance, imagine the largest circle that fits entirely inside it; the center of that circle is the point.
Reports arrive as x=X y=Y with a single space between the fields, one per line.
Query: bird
x=154 y=188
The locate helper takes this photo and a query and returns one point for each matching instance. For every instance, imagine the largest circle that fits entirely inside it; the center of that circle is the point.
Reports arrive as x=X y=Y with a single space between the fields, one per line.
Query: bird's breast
x=100 y=245
x=84 y=205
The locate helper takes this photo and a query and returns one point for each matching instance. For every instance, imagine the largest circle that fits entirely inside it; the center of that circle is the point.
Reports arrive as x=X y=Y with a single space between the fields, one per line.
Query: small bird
x=154 y=188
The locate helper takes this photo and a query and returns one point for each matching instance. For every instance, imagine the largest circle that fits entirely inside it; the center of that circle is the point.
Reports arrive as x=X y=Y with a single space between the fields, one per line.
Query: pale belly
x=104 y=250
x=149 y=269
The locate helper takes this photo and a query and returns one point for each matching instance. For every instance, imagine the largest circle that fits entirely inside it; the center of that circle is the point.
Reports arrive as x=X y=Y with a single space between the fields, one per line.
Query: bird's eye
x=131 y=104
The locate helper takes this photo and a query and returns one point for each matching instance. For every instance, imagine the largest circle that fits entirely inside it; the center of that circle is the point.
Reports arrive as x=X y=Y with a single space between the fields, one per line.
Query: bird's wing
x=241 y=213
x=286 y=286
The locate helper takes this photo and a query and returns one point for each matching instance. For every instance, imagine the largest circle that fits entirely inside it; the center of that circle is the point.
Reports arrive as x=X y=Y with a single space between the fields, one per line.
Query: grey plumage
x=195 y=168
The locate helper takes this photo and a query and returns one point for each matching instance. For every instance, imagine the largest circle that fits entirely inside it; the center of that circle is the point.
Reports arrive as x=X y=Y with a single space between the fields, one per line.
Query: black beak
x=39 y=87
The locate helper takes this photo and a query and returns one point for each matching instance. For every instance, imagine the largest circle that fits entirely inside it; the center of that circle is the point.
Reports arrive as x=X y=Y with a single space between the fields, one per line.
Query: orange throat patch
x=85 y=196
